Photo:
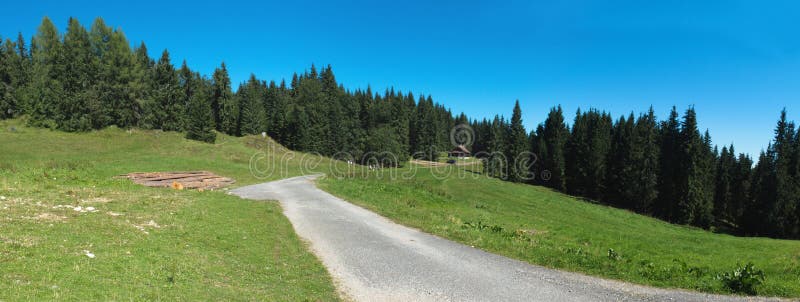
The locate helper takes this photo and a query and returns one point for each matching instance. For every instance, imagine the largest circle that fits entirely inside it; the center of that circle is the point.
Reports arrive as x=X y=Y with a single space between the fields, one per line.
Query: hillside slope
x=544 y=227
x=70 y=231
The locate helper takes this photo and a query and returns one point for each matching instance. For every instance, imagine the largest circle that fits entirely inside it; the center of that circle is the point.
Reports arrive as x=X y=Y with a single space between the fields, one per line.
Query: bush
x=613 y=255
x=744 y=279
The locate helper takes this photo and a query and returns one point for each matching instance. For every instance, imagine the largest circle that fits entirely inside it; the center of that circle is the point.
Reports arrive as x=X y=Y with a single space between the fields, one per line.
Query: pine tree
x=496 y=164
x=221 y=95
x=645 y=163
x=399 y=123
x=781 y=211
x=517 y=147
x=73 y=112
x=298 y=130
x=200 y=119
x=426 y=142
x=45 y=91
x=695 y=188
x=587 y=151
x=166 y=93
x=723 y=184
x=20 y=69
x=118 y=69
x=620 y=185
x=669 y=168
x=741 y=183
x=277 y=117
x=309 y=94
x=252 y=118
x=555 y=135
x=8 y=102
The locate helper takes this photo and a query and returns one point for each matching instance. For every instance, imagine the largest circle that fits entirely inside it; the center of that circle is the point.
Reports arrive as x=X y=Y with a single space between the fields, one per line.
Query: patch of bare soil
x=201 y=180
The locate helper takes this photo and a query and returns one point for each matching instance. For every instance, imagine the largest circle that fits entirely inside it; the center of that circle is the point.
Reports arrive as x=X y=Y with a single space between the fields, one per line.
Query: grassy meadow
x=544 y=227
x=128 y=242
x=69 y=230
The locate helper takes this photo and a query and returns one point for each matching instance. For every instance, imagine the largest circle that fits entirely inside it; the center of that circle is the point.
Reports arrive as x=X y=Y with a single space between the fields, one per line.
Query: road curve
x=374 y=259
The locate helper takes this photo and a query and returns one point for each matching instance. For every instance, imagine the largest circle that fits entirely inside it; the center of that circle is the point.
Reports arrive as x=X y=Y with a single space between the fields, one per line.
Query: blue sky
x=737 y=62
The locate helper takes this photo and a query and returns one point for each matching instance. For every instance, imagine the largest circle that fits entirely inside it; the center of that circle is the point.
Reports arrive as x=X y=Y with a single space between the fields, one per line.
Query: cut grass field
x=544 y=227
x=128 y=242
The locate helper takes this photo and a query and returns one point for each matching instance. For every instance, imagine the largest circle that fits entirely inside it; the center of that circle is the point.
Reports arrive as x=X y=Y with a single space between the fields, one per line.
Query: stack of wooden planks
x=203 y=180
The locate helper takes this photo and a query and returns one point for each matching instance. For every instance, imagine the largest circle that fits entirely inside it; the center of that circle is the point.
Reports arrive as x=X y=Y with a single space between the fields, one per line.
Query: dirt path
x=374 y=259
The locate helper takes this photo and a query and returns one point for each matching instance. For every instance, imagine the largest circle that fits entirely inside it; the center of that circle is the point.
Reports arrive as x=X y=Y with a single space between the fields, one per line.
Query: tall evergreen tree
x=496 y=163
x=252 y=118
x=587 y=151
x=8 y=101
x=741 y=183
x=645 y=165
x=723 y=184
x=298 y=129
x=141 y=87
x=781 y=218
x=620 y=185
x=695 y=186
x=517 y=146
x=200 y=118
x=46 y=89
x=669 y=169
x=221 y=95
x=555 y=135
x=166 y=94
x=73 y=112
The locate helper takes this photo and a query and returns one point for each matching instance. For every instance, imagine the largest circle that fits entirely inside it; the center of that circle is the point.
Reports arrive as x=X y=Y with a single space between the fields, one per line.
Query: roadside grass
x=544 y=227
x=147 y=243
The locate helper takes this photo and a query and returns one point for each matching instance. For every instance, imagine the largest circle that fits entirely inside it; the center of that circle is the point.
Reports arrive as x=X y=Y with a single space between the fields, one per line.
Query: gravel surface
x=374 y=259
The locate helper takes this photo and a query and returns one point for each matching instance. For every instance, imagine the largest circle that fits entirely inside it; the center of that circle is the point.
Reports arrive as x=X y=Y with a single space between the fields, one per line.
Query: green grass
x=149 y=243
x=540 y=226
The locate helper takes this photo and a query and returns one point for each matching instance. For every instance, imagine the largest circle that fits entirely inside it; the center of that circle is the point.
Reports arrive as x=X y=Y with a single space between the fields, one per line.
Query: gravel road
x=374 y=259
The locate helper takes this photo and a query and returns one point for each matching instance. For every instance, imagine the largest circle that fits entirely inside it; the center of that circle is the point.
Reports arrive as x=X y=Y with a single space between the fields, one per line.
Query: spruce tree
x=496 y=164
x=252 y=118
x=517 y=147
x=587 y=150
x=118 y=67
x=20 y=69
x=741 y=183
x=645 y=165
x=620 y=185
x=166 y=94
x=200 y=119
x=298 y=130
x=781 y=217
x=46 y=91
x=8 y=102
x=723 y=184
x=141 y=87
x=221 y=95
x=763 y=196
x=73 y=112
x=669 y=168
x=695 y=186
x=555 y=135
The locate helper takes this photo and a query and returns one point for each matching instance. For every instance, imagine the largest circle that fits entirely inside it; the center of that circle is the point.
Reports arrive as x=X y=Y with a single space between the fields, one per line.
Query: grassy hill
x=162 y=244
x=540 y=226
x=147 y=243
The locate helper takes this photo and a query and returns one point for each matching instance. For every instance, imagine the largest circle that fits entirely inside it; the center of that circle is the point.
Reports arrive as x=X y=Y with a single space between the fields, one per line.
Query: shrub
x=743 y=279
x=613 y=255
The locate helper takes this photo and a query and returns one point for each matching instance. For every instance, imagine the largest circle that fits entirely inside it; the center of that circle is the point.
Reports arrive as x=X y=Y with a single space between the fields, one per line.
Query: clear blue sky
x=737 y=62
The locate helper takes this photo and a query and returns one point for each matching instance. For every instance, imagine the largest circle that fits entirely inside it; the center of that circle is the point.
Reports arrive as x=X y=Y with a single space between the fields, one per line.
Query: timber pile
x=202 y=180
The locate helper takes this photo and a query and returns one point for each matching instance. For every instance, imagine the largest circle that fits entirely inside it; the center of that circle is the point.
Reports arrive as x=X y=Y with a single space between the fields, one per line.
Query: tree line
x=666 y=169
x=91 y=79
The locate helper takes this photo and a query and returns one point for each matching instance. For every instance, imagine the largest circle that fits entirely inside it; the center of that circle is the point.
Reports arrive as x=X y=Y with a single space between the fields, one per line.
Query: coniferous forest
x=91 y=79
